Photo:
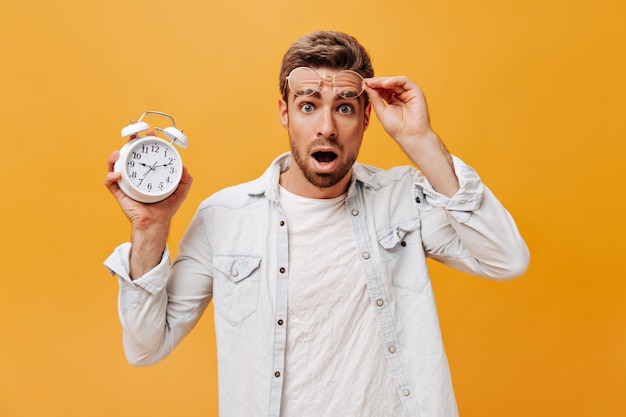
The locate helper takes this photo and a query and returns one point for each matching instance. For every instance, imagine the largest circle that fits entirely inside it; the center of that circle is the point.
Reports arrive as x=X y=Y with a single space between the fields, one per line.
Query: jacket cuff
x=466 y=200
x=118 y=263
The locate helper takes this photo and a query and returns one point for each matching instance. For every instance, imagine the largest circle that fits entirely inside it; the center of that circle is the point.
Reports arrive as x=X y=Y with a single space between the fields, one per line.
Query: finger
x=394 y=98
x=376 y=100
x=185 y=184
x=110 y=182
x=181 y=191
x=387 y=95
x=389 y=86
x=387 y=82
x=111 y=178
x=111 y=160
x=186 y=178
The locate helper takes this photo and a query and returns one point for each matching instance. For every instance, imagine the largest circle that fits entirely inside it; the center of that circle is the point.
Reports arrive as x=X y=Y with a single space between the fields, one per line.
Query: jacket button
x=418 y=200
x=280 y=322
x=282 y=270
x=277 y=374
x=380 y=303
x=392 y=349
x=355 y=212
x=366 y=255
x=282 y=222
x=406 y=392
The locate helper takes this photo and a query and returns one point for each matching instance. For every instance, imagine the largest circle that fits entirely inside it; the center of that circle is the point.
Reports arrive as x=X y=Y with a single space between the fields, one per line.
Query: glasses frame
x=321 y=81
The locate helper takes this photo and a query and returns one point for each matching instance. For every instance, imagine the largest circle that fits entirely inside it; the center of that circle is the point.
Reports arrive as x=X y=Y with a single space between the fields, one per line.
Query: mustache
x=325 y=143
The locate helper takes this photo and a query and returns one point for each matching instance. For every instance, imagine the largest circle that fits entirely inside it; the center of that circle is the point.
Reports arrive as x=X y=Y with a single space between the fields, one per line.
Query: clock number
x=133 y=174
x=155 y=148
x=149 y=186
x=136 y=155
x=131 y=164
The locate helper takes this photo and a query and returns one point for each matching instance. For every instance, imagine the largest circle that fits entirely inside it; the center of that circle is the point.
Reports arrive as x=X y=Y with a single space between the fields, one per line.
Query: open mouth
x=324 y=157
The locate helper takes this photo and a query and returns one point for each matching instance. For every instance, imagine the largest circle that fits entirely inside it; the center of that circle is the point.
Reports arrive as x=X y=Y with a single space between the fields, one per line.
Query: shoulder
x=376 y=178
x=250 y=192
x=235 y=196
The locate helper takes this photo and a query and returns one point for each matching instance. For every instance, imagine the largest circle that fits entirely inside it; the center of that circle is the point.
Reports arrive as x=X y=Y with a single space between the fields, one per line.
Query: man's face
x=325 y=133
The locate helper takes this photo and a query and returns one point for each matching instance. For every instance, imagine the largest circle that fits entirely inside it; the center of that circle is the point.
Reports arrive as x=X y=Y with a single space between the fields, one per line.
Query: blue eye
x=345 y=109
x=307 y=107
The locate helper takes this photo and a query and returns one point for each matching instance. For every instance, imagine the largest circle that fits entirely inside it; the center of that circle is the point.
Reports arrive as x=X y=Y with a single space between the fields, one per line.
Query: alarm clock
x=151 y=167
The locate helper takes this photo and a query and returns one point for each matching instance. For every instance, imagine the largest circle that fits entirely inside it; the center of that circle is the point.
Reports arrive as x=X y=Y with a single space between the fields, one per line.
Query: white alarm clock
x=151 y=167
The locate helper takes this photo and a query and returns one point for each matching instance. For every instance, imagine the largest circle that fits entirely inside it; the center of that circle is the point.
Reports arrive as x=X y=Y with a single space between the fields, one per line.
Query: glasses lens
x=304 y=81
x=348 y=84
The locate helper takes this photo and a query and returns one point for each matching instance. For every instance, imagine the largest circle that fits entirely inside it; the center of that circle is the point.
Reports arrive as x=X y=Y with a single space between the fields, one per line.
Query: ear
x=283 y=113
x=368 y=113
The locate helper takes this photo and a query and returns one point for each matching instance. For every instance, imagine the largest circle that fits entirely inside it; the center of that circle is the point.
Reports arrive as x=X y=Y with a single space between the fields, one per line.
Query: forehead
x=325 y=70
x=322 y=71
x=314 y=75
x=325 y=93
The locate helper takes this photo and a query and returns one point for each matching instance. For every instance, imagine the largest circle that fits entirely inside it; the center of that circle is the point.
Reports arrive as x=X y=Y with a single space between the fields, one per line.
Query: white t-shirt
x=335 y=362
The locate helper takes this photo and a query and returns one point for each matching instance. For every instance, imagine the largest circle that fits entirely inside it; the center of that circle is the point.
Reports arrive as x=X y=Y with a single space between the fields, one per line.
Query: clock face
x=152 y=169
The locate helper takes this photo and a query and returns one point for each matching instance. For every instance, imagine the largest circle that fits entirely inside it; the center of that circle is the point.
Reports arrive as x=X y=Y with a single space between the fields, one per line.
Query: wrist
x=422 y=147
x=431 y=156
x=148 y=245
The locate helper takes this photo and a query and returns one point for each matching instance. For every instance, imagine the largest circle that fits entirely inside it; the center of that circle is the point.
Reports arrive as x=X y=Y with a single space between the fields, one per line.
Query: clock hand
x=150 y=168
x=164 y=165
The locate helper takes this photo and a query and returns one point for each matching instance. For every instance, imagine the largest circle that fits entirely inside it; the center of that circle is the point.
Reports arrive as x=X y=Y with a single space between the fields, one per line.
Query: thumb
x=378 y=103
x=184 y=186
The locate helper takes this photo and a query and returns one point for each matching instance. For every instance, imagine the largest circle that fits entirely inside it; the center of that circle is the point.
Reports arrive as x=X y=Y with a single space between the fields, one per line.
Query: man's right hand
x=150 y=222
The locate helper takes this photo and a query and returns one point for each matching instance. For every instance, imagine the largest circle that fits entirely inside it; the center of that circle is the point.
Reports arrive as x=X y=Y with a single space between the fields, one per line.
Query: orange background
x=531 y=93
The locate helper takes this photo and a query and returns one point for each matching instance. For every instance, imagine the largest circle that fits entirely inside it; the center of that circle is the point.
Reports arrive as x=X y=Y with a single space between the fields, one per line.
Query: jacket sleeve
x=471 y=231
x=159 y=309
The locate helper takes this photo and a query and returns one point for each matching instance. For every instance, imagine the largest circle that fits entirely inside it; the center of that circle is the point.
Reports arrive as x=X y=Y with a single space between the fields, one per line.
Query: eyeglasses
x=304 y=81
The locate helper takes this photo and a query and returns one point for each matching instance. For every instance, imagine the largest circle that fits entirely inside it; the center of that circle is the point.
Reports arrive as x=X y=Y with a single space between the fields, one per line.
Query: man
x=323 y=303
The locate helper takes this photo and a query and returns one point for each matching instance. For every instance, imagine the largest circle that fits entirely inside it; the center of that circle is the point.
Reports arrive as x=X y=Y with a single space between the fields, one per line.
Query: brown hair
x=335 y=50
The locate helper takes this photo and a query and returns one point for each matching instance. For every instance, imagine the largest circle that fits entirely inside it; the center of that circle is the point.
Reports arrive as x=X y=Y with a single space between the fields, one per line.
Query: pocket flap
x=395 y=235
x=236 y=267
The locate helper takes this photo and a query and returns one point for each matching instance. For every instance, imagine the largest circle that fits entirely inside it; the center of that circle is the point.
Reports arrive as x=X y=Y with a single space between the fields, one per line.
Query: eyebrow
x=318 y=95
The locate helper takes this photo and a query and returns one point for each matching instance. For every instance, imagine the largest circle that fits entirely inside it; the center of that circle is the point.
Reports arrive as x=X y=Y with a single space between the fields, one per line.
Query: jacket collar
x=268 y=183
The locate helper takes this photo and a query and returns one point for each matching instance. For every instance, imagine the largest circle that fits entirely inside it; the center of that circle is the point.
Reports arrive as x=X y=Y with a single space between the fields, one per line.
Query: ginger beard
x=323 y=179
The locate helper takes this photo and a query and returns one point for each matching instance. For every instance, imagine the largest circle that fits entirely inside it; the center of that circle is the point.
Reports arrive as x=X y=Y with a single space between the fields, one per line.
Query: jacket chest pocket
x=236 y=285
x=404 y=254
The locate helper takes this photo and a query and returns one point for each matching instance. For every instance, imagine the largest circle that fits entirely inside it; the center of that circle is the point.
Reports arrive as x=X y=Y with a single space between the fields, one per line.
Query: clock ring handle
x=159 y=113
x=175 y=136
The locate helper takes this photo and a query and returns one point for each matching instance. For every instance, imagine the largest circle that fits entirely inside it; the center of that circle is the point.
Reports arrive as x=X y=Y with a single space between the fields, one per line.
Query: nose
x=327 y=127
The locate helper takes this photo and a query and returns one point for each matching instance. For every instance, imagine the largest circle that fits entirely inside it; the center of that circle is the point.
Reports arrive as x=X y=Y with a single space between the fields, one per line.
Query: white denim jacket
x=234 y=252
